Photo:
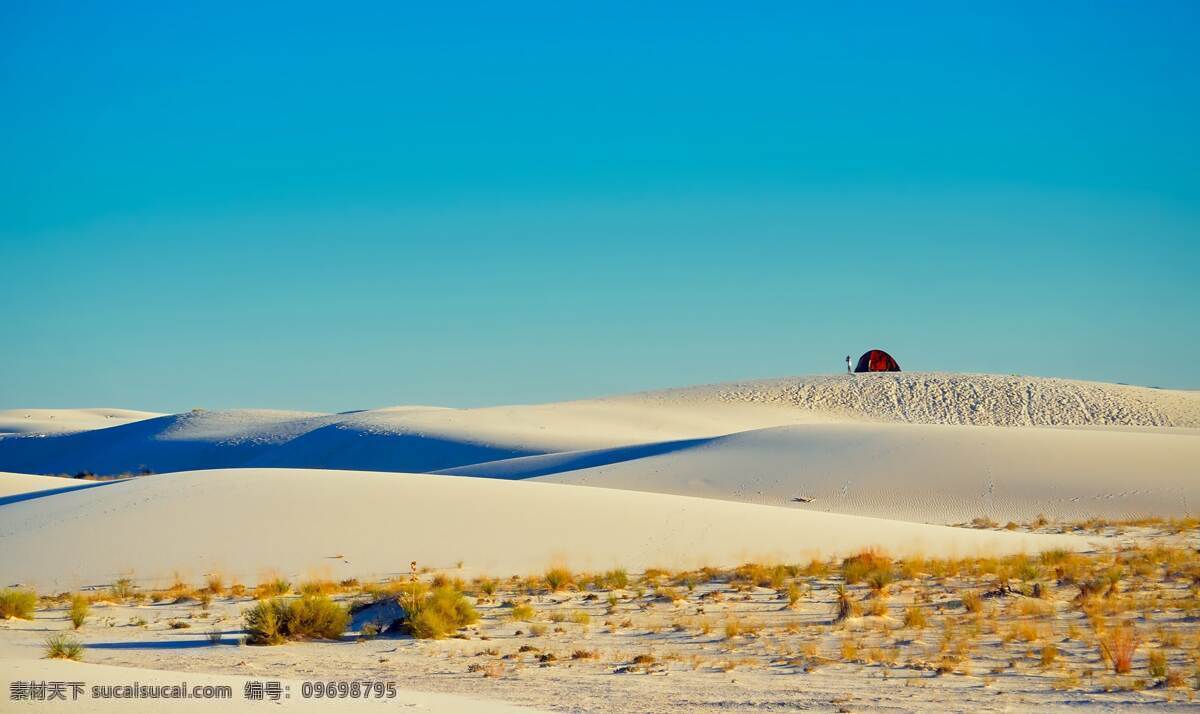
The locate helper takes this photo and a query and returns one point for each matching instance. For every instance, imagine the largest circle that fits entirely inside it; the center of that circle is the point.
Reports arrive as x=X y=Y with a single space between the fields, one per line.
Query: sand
x=248 y=523
x=54 y=421
x=774 y=471
x=425 y=439
x=924 y=473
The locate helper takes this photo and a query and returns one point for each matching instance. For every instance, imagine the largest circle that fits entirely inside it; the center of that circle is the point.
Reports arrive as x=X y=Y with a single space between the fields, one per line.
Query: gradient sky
x=336 y=206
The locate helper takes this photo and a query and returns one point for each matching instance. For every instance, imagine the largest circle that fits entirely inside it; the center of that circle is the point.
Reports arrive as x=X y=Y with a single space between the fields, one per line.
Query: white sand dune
x=55 y=421
x=340 y=524
x=19 y=485
x=979 y=399
x=927 y=473
x=422 y=439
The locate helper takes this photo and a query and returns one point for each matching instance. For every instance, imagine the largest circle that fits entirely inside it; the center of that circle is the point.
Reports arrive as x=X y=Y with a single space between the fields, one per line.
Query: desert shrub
x=846 y=606
x=849 y=649
x=1158 y=664
x=879 y=579
x=122 y=589
x=914 y=617
x=584 y=654
x=793 y=594
x=79 y=610
x=972 y=601
x=271 y=622
x=215 y=583
x=61 y=646
x=522 y=612
x=579 y=617
x=559 y=579
x=437 y=613
x=616 y=579
x=17 y=603
x=318 y=587
x=858 y=568
x=273 y=588
x=486 y=586
x=1049 y=655
x=1118 y=646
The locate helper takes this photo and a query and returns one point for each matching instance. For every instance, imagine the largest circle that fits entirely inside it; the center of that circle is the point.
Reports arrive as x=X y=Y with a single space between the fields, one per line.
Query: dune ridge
x=424 y=439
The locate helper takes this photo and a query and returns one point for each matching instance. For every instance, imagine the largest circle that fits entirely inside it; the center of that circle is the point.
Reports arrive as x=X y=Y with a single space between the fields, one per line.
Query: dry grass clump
x=275 y=587
x=434 y=613
x=794 y=593
x=274 y=621
x=122 y=589
x=79 y=610
x=616 y=579
x=1049 y=655
x=1157 y=665
x=914 y=618
x=486 y=586
x=559 y=579
x=522 y=612
x=1118 y=646
x=869 y=565
x=585 y=654
x=62 y=646
x=765 y=576
x=972 y=601
x=318 y=587
x=17 y=603
x=215 y=583
x=846 y=606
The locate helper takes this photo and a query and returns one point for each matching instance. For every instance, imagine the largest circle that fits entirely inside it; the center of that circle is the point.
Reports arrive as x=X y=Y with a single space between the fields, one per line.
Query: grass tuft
x=62 y=646
x=274 y=621
x=79 y=610
x=17 y=603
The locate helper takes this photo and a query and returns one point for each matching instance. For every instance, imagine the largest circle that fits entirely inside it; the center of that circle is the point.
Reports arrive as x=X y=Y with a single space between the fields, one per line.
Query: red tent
x=877 y=361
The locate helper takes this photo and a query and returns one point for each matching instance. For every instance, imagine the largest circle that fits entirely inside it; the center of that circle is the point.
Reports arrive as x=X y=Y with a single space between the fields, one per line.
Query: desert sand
x=778 y=471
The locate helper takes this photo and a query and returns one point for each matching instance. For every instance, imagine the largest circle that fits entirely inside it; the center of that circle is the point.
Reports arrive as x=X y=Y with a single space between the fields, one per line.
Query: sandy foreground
x=779 y=473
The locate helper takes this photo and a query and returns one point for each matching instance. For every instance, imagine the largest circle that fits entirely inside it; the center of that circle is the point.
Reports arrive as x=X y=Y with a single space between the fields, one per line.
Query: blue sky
x=335 y=207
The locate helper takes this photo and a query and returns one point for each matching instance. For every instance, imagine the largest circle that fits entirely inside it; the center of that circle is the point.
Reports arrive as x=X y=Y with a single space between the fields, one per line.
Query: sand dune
x=54 y=421
x=18 y=485
x=980 y=399
x=348 y=523
x=939 y=474
x=424 y=439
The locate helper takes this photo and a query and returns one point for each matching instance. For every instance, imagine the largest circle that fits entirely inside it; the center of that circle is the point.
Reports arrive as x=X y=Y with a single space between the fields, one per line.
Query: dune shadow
x=17 y=498
x=546 y=464
x=337 y=446
x=160 y=645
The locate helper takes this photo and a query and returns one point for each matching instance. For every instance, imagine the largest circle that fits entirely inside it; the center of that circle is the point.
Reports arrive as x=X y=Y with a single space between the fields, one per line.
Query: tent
x=877 y=361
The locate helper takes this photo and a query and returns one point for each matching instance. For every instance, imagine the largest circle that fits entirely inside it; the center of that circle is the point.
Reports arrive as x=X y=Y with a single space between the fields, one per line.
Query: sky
x=341 y=206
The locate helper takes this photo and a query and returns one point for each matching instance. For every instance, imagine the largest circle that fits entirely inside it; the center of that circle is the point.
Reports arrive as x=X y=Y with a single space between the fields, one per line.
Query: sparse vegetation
x=436 y=613
x=559 y=579
x=274 y=621
x=63 y=646
x=1118 y=646
x=79 y=610
x=522 y=613
x=17 y=604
